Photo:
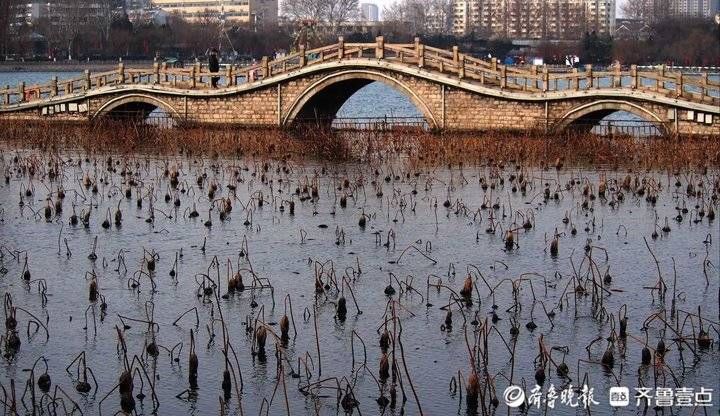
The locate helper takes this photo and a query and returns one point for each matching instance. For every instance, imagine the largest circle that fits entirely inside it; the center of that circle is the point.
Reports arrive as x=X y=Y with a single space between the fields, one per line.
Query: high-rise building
x=254 y=12
x=533 y=19
x=695 y=8
x=30 y=12
x=369 y=12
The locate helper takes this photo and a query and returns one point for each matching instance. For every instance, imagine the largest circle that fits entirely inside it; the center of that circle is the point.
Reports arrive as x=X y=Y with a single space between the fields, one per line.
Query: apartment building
x=255 y=12
x=533 y=19
x=369 y=12
x=695 y=8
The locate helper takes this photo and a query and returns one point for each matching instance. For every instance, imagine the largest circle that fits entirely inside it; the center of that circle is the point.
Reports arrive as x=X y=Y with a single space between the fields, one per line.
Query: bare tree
x=303 y=9
x=636 y=9
x=422 y=16
x=649 y=11
x=332 y=12
x=105 y=17
x=71 y=15
x=341 y=11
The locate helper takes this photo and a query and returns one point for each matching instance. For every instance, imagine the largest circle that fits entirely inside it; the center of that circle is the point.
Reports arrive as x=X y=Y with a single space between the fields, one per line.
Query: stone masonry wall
x=468 y=111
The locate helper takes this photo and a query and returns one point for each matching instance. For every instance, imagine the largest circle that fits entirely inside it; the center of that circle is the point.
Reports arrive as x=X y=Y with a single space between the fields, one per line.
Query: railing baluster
x=461 y=67
x=230 y=76
x=575 y=80
x=54 y=86
x=659 y=81
x=121 y=73
x=21 y=91
x=266 y=68
x=617 y=78
x=197 y=75
x=633 y=77
x=589 y=76
x=380 y=48
x=533 y=73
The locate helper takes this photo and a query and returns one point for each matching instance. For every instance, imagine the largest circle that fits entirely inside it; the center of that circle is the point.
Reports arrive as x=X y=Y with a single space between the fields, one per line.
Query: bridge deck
x=693 y=88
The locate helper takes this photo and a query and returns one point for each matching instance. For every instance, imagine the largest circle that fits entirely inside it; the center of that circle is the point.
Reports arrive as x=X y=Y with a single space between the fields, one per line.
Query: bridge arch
x=323 y=99
x=587 y=114
x=135 y=106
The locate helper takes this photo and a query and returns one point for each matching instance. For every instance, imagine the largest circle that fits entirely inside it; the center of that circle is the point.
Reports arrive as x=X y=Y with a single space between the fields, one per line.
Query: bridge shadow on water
x=619 y=123
x=143 y=113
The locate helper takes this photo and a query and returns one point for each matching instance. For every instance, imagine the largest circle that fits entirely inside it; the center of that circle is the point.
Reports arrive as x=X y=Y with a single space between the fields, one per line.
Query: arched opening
x=142 y=109
x=613 y=118
x=360 y=100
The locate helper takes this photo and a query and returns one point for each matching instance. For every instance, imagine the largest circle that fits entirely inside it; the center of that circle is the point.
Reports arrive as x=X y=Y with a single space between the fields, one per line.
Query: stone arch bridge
x=451 y=90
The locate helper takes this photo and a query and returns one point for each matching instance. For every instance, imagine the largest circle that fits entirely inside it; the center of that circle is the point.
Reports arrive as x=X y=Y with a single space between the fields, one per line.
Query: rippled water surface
x=410 y=232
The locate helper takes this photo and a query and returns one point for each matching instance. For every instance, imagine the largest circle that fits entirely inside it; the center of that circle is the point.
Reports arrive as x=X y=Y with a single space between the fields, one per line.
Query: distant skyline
x=382 y=3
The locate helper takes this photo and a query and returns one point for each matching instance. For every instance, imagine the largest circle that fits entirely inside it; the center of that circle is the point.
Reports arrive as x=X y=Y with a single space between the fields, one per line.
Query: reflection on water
x=307 y=229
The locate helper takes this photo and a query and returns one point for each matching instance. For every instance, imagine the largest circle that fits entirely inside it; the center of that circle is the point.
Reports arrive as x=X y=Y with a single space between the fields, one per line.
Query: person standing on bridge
x=214 y=66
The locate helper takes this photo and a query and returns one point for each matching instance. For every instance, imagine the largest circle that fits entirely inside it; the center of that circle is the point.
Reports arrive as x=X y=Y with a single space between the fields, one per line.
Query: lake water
x=294 y=233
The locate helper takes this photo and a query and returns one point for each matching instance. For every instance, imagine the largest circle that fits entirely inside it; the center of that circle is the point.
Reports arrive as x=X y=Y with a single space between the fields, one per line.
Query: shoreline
x=73 y=66
x=104 y=66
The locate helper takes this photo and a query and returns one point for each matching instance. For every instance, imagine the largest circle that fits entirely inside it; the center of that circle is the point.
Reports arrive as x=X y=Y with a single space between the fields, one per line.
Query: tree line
x=109 y=34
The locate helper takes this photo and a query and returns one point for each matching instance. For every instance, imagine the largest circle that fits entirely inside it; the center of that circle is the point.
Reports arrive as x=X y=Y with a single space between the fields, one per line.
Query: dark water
x=286 y=249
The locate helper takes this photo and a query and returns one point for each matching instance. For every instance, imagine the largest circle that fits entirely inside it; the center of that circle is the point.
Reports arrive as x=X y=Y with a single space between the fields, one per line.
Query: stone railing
x=691 y=87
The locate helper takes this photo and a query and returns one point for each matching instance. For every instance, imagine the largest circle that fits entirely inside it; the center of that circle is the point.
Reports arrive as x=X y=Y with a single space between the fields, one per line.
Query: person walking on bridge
x=214 y=66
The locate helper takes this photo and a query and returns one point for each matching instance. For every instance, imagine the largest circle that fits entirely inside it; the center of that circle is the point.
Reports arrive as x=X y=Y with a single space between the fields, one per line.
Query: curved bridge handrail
x=692 y=87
